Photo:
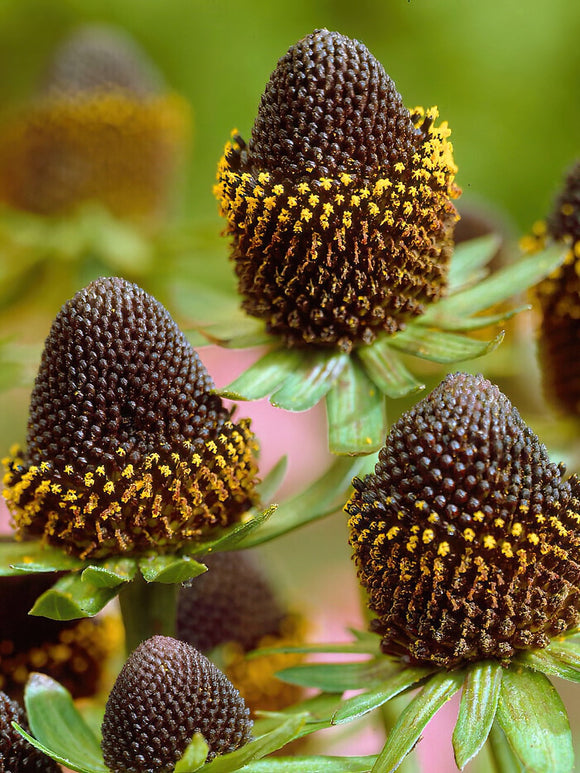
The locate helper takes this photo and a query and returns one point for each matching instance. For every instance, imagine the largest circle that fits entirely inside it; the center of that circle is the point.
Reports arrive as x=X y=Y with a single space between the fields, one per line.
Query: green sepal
x=356 y=413
x=565 y=665
x=414 y=718
x=313 y=764
x=477 y=709
x=194 y=755
x=504 y=760
x=71 y=597
x=57 y=727
x=235 y=538
x=268 y=487
x=259 y=748
x=534 y=720
x=239 y=332
x=341 y=648
x=338 y=677
x=310 y=381
x=441 y=346
x=467 y=324
x=111 y=572
x=357 y=706
x=324 y=497
x=170 y=568
x=468 y=259
x=384 y=367
x=264 y=376
x=32 y=557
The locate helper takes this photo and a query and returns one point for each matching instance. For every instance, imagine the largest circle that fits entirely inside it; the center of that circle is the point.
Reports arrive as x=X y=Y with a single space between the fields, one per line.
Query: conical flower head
x=466 y=537
x=16 y=754
x=127 y=449
x=166 y=692
x=339 y=207
x=559 y=300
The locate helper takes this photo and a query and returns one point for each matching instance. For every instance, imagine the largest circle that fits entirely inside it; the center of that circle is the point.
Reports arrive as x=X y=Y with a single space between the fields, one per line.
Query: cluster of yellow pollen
x=165 y=502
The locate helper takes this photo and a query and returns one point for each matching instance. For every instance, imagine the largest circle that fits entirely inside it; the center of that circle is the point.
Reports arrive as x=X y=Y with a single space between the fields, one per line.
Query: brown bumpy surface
x=127 y=449
x=16 y=754
x=166 y=692
x=339 y=206
x=466 y=537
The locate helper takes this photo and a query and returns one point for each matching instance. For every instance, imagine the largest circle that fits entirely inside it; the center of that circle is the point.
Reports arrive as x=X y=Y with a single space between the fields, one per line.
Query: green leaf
x=170 y=568
x=338 y=677
x=314 y=764
x=194 y=756
x=468 y=259
x=235 y=538
x=31 y=557
x=471 y=323
x=384 y=367
x=262 y=746
x=534 y=720
x=476 y=710
x=58 y=726
x=549 y=663
x=310 y=381
x=264 y=376
x=111 y=572
x=441 y=346
x=72 y=597
x=361 y=704
x=413 y=720
x=271 y=482
x=239 y=332
x=505 y=761
x=356 y=413
x=325 y=496
x=343 y=648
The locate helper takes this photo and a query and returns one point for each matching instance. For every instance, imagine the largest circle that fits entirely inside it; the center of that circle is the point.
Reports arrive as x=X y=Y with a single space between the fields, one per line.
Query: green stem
x=502 y=756
x=147 y=608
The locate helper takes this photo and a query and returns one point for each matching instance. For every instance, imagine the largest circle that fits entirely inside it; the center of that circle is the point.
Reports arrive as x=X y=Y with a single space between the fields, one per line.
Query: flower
x=127 y=448
x=340 y=206
x=166 y=692
x=16 y=754
x=467 y=536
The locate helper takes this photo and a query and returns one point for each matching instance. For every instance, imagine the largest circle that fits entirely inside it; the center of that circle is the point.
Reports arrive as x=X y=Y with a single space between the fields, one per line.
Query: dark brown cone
x=466 y=536
x=340 y=206
x=166 y=692
x=16 y=754
x=127 y=449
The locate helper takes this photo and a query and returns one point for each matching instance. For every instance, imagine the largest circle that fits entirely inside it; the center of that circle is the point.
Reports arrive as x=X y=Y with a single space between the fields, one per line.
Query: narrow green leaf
x=468 y=260
x=238 y=332
x=441 y=346
x=411 y=723
x=356 y=413
x=566 y=651
x=550 y=664
x=476 y=710
x=505 y=761
x=385 y=368
x=342 y=648
x=338 y=677
x=68 y=763
x=170 y=568
x=194 y=756
x=58 y=726
x=534 y=720
x=259 y=748
x=71 y=597
x=236 y=537
x=310 y=381
x=31 y=557
x=264 y=376
x=271 y=482
x=359 y=705
x=111 y=572
x=325 y=496
x=314 y=764
x=470 y=323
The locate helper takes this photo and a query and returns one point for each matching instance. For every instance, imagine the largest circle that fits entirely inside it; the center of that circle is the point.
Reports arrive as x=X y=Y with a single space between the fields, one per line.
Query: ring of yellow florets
x=397 y=226
x=164 y=503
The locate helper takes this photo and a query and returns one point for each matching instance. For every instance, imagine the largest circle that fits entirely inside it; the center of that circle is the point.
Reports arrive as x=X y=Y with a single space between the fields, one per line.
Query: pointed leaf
x=237 y=537
x=476 y=710
x=504 y=758
x=342 y=648
x=338 y=677
x=170 y=568
x=413 y=720
x=58 y=726
x=361 y=704
x=110 y=573
x=468 y=260
x=194 y=755
x=534 y=720
x=71 y=597
x=264 y=376
x=550 y=664
x=314 y=764
x=471 y=323
x=29 y=557
x=384 y=366
x=271 y=482
x=238 y=332
x=440 y=346
x=310 y=381
x=356 y=413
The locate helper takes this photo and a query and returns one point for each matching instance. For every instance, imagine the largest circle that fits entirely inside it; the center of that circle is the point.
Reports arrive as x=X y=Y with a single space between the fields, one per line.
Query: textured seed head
x=559 y=299
x=339 y=207
x=72 y=651
x=16 y=754
x=166 y=692
x=466 y=536
x=127 y=450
